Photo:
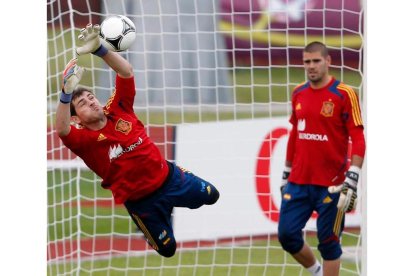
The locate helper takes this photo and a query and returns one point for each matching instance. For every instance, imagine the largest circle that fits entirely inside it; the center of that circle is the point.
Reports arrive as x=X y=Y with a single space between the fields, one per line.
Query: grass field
x=262 y=259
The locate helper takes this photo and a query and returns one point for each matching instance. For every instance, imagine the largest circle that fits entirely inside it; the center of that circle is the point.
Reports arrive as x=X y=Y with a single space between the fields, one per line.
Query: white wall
x=226 y=154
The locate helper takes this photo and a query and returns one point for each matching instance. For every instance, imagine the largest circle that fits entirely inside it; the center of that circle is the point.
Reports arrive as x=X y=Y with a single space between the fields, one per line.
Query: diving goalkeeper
x=113 y=143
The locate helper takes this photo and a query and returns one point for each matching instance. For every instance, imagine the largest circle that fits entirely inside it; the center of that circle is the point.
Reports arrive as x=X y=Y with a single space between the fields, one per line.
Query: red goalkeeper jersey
x=322 y=119
x=121 y=153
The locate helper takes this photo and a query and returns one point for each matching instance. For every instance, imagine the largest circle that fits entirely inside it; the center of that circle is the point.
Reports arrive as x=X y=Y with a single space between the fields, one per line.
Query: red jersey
x=322 y=119
x=121 y=153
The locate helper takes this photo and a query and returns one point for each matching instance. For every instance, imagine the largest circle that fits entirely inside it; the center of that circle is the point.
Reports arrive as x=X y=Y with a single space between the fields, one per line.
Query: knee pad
x=291 y=242
x=168 y=250
x=330 y=250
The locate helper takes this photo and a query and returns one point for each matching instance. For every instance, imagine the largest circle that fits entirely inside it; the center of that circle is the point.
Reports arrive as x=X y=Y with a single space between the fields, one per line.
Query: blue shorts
x=298 y=204
x=152 y=214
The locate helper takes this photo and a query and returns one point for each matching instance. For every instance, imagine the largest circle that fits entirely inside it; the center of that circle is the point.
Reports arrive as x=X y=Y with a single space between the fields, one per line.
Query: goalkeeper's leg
x=158 y=233
x=153 y=217
x=296 y=209
x=330 y=224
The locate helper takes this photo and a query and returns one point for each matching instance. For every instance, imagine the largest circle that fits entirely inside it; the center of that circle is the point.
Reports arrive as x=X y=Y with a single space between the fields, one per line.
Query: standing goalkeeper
x=325 y=114
x=113 y=143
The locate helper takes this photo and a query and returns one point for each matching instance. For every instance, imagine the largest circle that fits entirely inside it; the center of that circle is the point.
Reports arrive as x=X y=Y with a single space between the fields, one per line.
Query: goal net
x=213 y=82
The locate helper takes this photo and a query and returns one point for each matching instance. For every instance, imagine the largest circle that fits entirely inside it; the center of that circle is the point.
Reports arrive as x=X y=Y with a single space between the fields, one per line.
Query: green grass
x=259 y=258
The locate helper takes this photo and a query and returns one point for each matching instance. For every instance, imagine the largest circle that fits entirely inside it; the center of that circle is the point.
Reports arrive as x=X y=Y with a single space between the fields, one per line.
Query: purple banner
x=275 y=31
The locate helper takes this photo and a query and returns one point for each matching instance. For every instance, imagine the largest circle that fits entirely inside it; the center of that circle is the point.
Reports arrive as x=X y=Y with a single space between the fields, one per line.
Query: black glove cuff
x=285 y=175
x=352 y=175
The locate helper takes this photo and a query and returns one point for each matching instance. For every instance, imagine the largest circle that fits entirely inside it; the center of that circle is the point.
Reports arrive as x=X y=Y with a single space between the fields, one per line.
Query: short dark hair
x=76 y=94
x=317 y=46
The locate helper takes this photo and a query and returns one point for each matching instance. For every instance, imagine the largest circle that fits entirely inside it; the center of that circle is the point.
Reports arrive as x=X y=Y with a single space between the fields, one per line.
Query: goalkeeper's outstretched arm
x=72 y=74
x=70 y=79
x=120 y=65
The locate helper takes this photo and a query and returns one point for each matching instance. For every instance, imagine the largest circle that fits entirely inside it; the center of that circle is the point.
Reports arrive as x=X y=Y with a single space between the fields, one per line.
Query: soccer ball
x=117 y=33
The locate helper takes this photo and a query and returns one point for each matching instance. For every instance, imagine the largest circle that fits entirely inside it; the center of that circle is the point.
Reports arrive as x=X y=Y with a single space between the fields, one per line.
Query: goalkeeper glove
x=348 y=189
x=285 y=176
x=71 y=78
x=89 y=36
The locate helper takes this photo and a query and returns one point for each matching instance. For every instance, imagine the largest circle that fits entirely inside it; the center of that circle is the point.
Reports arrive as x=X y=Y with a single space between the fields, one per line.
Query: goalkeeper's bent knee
x=291 y=242
x=213 y=196
x=168 y=250
x=330 y=250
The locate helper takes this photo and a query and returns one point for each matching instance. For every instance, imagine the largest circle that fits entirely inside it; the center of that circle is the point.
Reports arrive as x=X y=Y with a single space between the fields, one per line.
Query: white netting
x=214 y=80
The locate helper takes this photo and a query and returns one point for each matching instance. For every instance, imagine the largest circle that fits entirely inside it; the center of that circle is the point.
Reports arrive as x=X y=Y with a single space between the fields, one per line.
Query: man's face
x=316 y=66
x=88 y=108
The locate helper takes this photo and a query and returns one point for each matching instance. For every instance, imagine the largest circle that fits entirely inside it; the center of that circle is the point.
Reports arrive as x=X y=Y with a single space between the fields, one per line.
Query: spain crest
x=123 y=126
x=327 y=109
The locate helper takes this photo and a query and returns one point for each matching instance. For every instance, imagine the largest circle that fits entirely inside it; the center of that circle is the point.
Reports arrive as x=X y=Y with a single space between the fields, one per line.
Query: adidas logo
x=101 y=137
x=327 y=200
x=287 y=196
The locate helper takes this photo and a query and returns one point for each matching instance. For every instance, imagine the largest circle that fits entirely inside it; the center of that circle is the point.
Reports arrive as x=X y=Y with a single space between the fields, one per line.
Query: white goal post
x=214 y=81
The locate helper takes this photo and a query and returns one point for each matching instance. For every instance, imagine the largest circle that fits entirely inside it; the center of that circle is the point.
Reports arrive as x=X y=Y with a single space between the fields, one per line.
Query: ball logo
x=117 y=33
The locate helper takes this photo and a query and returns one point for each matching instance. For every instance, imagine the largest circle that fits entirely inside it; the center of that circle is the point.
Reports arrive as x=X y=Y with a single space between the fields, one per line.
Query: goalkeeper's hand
x=89 y=36
x=285 y=176
x=348 y=189
x=71 y=76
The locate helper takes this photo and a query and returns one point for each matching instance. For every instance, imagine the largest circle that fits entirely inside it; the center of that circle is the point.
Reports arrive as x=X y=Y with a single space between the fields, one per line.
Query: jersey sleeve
x=353 y=120
x=292 y=118
x=358 y=141
x=122 y=96
x=290 y=151
x=352 y=111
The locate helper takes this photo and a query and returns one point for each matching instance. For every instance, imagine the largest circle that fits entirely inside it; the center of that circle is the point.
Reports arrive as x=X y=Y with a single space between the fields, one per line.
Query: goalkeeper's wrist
x=101 y=51
x=352 y=176
x=65 y=98
x=286 y=172
x=354 y=169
